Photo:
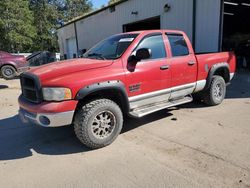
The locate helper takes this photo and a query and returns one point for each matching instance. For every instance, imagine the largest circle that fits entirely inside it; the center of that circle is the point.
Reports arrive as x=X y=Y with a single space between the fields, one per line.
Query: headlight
x=56 y=94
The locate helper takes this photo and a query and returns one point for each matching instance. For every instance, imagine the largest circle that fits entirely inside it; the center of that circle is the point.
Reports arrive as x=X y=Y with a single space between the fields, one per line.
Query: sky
x=99 y=3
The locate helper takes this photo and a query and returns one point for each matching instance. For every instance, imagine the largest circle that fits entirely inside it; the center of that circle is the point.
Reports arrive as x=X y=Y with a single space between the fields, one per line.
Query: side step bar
x=145 y=110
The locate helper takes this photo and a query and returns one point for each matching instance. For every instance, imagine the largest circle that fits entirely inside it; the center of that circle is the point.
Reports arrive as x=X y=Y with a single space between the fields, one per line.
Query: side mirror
x=143 y=53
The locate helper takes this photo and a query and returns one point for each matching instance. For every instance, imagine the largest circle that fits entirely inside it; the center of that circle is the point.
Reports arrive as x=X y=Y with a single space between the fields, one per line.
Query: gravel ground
x=188 y=146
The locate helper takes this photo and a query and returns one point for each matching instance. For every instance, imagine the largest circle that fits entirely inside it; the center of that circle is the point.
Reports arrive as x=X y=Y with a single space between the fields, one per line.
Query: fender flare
x=214 y=68
x=104 y=86
x=9 y=63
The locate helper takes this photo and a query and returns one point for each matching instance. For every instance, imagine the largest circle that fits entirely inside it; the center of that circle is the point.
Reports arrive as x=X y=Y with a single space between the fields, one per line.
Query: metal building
x=202 y=20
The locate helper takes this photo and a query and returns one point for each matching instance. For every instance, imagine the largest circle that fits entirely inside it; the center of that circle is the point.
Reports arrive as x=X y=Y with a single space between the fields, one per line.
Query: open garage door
x=236 y=29
x=148 y=24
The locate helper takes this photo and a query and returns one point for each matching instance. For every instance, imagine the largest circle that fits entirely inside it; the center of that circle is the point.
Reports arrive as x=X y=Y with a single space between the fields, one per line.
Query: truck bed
x=207 y=60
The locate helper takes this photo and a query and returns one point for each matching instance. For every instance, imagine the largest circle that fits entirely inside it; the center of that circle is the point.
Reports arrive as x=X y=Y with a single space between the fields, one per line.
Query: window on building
x=156 y=44
x=178 y=45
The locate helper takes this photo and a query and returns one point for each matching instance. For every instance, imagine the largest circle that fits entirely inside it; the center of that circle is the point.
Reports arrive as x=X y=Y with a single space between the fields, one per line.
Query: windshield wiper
x=96 y=55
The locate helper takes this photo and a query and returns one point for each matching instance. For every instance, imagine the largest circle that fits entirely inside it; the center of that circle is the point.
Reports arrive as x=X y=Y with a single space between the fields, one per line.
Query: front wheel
x=98 y=123
x=216 y=92
x=8 y=72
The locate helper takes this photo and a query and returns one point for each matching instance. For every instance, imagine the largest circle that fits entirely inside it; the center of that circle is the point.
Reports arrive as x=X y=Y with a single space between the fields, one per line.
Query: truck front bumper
x=47 y=120
x=47 y=114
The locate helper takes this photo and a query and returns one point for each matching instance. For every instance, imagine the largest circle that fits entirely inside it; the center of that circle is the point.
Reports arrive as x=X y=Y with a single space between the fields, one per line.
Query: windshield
x=111 y=48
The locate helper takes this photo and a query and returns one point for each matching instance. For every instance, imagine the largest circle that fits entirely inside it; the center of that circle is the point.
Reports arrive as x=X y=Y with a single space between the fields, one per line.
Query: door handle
x=164 y=67
x=190 y=63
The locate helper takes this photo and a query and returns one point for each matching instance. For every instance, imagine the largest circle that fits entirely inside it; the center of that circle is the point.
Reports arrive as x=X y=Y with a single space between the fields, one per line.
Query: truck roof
x=155 y=31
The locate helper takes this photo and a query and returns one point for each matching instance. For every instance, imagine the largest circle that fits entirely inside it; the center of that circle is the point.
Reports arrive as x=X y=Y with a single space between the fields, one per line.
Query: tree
x=45 y=20
x=49 y=14
x=30 y=25
x=16 y=26
x=112 y=1
x=75 y=8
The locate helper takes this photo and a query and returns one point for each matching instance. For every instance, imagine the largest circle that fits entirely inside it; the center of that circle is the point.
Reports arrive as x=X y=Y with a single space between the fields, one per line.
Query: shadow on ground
x=4 y=86
x=18 y=140
x=240 y=86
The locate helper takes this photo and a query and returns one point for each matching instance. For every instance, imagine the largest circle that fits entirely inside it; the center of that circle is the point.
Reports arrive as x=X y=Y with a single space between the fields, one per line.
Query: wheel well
x=112 y=94
x=224 y=73
x=6 y=65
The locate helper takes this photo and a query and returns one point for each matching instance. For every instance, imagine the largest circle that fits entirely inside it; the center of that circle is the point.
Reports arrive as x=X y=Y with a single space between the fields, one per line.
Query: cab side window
x=156 y=44
x=178 y=45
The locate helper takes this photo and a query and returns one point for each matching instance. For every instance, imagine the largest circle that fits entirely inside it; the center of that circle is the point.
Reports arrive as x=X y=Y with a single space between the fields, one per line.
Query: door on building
x=148 y=24
x=71 y=48
x=236 y=30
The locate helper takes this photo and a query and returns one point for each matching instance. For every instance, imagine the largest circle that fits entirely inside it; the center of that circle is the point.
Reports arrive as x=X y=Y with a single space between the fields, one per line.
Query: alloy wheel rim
x=8 y=72
x=103 y=124
x=218 y=91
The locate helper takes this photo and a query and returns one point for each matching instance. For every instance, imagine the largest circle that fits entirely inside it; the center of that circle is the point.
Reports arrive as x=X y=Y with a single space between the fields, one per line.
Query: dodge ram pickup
x=133 y=74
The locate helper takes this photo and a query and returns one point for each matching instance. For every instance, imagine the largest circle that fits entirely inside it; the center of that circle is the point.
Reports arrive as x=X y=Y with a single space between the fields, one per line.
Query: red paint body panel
x=182 y=73
x=79 y=73
x=48 y=107
x=149 y=75
x=60 y=69
x=214 y=58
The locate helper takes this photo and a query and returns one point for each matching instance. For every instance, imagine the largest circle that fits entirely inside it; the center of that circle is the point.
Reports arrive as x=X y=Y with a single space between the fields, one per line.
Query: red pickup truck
x=133 y=74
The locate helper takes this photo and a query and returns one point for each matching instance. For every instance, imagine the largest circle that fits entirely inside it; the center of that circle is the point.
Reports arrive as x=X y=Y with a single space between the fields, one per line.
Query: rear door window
x=178 y=45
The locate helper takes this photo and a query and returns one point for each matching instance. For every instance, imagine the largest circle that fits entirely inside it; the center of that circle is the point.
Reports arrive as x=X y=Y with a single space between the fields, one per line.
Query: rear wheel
x=8 y=72
x=98 y=123
x=216 y=92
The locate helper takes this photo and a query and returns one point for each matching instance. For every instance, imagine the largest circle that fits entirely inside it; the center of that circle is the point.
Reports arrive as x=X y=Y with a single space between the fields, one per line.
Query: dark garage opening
x=148 y=24
x=236 y=30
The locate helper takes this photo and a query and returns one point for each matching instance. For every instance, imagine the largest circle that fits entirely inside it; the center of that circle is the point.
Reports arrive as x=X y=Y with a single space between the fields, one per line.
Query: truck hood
x=58 y=69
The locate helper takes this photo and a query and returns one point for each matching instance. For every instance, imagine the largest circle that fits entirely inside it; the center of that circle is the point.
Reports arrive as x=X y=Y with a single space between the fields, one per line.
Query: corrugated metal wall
x=64 y=34
x=208 y=25
x=99 y=26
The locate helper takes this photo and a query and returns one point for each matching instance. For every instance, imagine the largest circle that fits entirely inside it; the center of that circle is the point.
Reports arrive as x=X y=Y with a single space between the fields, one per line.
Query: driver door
x=146 y=81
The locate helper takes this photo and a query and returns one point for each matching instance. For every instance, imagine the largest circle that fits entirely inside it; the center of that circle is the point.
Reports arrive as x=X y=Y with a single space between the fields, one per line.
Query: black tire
x=87 y=128
x=8 y=72
x=216 y=91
